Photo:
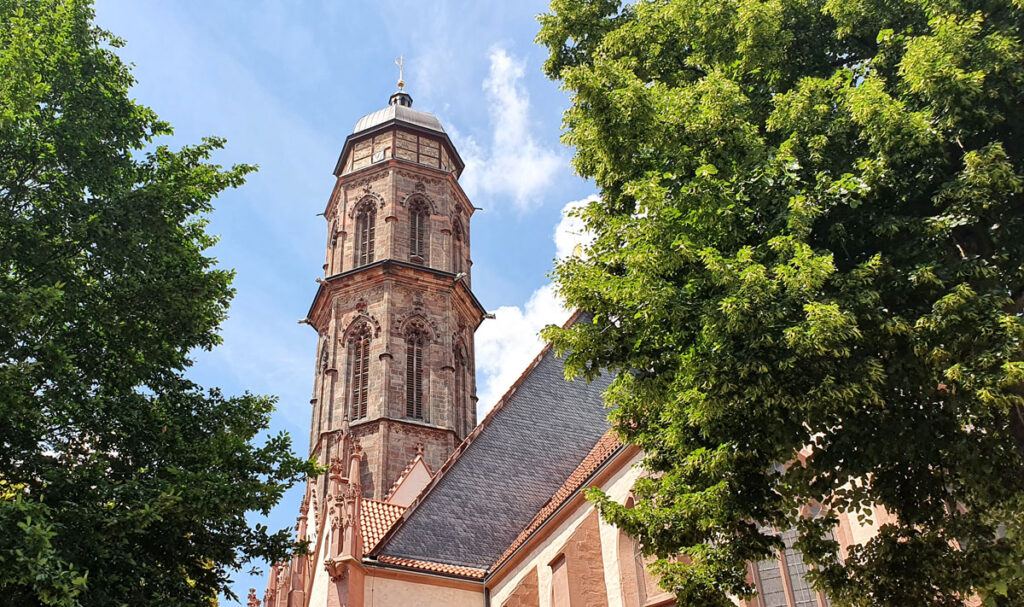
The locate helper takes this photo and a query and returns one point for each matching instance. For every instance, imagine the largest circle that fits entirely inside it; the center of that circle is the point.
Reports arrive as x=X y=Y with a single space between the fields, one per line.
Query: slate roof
x=505 y=471
x=605 y=448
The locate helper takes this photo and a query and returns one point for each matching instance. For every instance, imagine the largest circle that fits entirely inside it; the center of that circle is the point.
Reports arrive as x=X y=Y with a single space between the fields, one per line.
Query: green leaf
x=833 y=270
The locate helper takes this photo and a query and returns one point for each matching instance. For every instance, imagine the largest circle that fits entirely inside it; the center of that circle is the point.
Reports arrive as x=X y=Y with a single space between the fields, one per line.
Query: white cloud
x=507 y=343
x=570 y=232
x=515 y=165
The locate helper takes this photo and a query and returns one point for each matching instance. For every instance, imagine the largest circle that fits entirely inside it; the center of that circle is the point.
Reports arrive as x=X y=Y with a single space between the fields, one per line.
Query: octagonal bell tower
x=394 y=312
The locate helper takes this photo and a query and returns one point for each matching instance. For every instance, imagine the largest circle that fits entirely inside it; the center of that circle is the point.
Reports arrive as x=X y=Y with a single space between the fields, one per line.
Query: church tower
x=394 y=311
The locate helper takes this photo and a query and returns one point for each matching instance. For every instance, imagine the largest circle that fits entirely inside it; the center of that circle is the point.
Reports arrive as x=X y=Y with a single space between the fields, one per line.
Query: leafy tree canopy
x=121 y=481
x=810 y=238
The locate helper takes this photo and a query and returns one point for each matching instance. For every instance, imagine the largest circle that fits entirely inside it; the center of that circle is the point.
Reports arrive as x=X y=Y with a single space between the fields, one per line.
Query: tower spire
x=400 y=97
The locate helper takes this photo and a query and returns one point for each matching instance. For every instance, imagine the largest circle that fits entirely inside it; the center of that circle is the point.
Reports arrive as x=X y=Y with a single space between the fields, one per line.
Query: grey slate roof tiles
x=524 y=452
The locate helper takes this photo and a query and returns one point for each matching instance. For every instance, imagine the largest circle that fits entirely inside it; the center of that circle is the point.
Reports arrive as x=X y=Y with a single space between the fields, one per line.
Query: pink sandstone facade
x=422 y=505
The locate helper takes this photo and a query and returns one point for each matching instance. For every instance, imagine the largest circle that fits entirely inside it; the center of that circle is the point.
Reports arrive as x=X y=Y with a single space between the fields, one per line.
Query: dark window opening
x=418 y=218
x=359 y=372
x=366 y=231
x=414 y=376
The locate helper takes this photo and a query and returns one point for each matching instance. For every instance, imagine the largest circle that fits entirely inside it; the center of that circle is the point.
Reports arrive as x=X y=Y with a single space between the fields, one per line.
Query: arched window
x=459 y=406
x=414 y=374
x=457 y=247
x=419 y=215
x=639 y=586
x=366 y=229
x=770 y=577
x=359 y=371
x=560 y=591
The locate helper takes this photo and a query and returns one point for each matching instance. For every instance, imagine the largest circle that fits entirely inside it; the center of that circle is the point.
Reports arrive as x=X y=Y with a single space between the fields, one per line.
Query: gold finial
x=400 y=62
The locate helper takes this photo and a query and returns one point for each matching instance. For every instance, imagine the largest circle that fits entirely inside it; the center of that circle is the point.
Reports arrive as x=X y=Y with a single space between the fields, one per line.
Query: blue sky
x=284 y=82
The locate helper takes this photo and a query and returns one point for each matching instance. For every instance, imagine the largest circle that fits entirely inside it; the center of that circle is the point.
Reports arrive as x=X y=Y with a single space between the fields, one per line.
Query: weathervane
x=401 y=81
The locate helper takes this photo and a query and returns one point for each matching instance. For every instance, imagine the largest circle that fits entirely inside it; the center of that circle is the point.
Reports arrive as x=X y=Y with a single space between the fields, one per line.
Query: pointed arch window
x=414 y=374
x=782 y=581
x=459 y=409
x=639 y=585
x=457 y=247
x=359 y=371
x=419 y=216
x=366 y=233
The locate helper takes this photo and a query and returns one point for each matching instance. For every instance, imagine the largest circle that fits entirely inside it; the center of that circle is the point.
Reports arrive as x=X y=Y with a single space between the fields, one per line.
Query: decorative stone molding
x=324 y=354
x=368 y=198
x=366 y=182
x=360 y=317
x=421 y=197
x=350 y=494
x=336 y=569
x=337 y=468
x=404 y=324
x=419 y=178
x=339 y=518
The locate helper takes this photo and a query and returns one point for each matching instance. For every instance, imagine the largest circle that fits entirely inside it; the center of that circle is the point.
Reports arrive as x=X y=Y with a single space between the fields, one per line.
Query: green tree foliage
x=810 y=235
x=121 y=481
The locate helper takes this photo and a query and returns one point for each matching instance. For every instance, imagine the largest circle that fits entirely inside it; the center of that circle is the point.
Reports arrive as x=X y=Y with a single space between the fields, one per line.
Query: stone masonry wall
x=390 y=301
x=392 y=187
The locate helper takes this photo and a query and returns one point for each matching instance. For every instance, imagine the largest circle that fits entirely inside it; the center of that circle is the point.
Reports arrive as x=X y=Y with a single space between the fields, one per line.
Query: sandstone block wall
x=389 y=173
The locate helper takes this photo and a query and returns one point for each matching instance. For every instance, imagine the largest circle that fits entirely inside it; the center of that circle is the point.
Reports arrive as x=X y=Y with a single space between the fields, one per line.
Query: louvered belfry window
x=359 y=371
x=418 y=217
x=366 y=231
x=414 y=375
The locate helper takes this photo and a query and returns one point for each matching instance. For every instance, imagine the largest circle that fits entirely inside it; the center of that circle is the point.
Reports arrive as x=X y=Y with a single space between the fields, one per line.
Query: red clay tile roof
x=466 y=572
x=377 y=518
x=602 y=451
